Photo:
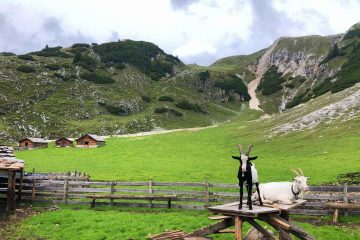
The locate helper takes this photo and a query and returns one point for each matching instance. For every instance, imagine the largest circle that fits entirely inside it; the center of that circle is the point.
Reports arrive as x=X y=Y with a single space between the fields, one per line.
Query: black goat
x=247 y=173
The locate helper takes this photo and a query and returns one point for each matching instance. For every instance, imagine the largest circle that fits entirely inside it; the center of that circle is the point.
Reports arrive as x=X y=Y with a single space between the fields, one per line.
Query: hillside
x=111 y=88
x=294 y=70
x=134 y=86
x=320 y=135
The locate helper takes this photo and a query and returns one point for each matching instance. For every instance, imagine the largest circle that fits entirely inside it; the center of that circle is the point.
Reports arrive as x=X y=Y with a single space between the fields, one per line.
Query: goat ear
x=234 y=157
x=252 y=158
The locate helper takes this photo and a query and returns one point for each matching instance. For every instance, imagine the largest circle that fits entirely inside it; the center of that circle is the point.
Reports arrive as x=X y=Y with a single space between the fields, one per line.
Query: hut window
x=86 y=143
x=26 y=144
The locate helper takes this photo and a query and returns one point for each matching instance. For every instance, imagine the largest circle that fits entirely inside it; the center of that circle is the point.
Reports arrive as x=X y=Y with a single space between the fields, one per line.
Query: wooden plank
x=178 y=192
x=345 y=197
x=179 y=184
x=335 y=217
x=238 y=228
x=112 y=190
x=224 y=185
x=287 y=207
x=20 y=187
x=233 y=210
x=66 y=188
x=264 y=232
x=207 y=194
x=213 y=228
x=10 y=205
x=343 y=205
x=90 y=190
x=219 y=217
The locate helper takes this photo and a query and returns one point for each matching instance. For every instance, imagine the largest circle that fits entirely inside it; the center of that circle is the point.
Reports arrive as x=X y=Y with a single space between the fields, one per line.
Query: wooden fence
x=73 y=189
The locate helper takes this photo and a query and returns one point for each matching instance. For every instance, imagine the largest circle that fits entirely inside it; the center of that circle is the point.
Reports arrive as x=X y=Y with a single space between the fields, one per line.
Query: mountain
x=295 y=70
x=111 y=88
x=132 y=86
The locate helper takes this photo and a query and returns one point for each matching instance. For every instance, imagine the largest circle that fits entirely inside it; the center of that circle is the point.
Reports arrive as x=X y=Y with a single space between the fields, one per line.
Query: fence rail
x=71 y=189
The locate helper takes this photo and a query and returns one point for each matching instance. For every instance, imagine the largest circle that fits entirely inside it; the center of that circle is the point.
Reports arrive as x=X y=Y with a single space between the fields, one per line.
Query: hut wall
x=63 y=143
x=86 y=141
x=26 y=144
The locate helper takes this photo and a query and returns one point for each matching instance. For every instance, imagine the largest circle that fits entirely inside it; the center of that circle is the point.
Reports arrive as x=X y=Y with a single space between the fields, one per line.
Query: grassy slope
x=196 y=156
x=115 y=223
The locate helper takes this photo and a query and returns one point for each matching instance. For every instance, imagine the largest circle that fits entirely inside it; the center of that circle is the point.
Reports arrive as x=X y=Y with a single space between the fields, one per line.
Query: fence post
x=33 y=190
x=66 y=183
x=345 y=197
x=112 y=190
x=150 y=192
x=207 y=195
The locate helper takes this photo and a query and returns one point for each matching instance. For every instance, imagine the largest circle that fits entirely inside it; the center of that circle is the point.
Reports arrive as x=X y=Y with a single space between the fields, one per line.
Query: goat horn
x=301 y=172
x=240 y=148
x=296 y=172
x=249 y=149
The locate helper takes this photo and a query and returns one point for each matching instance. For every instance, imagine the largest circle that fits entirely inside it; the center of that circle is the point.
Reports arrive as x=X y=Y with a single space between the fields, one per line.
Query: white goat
x=284 y=192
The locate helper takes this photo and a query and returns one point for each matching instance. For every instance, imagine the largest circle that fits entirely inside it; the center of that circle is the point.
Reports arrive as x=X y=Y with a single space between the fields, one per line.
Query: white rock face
x=346 y=108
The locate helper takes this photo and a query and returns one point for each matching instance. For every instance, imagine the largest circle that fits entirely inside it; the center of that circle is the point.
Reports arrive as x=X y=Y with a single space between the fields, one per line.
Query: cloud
x=200 y=31
x=181 y=4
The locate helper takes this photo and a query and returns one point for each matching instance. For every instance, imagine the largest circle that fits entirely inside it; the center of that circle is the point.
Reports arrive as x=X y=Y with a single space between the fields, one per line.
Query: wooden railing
x=196 y=195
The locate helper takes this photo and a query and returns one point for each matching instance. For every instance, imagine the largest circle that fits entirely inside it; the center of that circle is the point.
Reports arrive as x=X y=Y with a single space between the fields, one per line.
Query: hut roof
x=69 y=139
x=93 y=136
x=35 y=140
x=10 y=164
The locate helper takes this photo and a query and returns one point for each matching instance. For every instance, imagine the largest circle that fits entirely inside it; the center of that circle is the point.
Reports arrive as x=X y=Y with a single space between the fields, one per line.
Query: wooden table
x=276 y=215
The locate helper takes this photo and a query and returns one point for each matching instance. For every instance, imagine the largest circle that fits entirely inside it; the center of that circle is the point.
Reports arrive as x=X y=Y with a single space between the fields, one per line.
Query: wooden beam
x=238 y=228
x=11 y=191
x=213 y=228
x=258 y=227
x=20 y=184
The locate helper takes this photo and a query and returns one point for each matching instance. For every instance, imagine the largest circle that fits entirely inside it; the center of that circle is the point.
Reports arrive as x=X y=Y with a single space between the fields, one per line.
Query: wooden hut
x=28 y=143
x=10 y=169
x=90 y=141
x=64 y=142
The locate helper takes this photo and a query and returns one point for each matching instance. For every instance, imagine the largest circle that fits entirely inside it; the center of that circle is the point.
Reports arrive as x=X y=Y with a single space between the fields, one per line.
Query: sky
x=197 y=31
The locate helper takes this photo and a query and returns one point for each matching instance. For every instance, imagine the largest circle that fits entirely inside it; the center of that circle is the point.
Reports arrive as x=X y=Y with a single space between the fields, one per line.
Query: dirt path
x=254 y=101
x=162 y=131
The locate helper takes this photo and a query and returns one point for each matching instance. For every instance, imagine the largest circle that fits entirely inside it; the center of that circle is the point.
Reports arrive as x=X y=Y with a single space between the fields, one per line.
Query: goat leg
x=241 y=194
x=258 y=192
x=249 y=190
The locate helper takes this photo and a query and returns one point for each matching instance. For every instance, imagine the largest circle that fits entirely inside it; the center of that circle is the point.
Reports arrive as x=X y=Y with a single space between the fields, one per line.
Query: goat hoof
x=250 y=208
x=240 y=207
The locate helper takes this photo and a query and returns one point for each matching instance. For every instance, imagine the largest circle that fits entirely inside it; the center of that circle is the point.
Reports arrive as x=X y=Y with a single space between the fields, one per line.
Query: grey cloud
x=182 y=4
x=49 y=33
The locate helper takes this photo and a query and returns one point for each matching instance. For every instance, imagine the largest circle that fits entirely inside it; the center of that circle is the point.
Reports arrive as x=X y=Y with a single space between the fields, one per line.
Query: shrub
x=65 y=78
x=84 y=61
x=26 y=57
x=271 y=81
x=176 y=113
x=7 y=54
x=161 y=109
x=147 y=57
x=166 y=99
x=51 y=52
x=25 y=69
x=96 y=78
x=53 y=66
x=184 y=104
x=349 y=73
x=203 y=76
x=80 y=45
x=146 y=98
x=115 y=110
x=233 y=83
x=352 y=34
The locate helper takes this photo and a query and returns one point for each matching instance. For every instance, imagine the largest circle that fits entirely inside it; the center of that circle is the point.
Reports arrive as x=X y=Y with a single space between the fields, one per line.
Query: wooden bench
x=337 y=206
x=167 y=198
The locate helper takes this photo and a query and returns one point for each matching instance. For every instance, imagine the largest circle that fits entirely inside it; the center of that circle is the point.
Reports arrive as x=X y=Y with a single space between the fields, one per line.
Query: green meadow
x=201 y=155
x=123 y=223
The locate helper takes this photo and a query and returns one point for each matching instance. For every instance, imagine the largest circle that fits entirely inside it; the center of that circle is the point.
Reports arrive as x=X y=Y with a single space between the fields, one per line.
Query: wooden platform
x=232 y=209
x=276 y=215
